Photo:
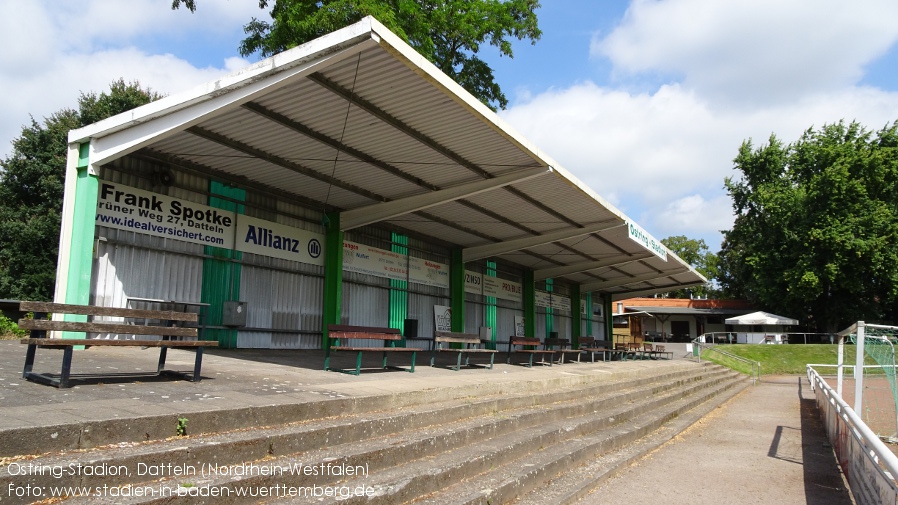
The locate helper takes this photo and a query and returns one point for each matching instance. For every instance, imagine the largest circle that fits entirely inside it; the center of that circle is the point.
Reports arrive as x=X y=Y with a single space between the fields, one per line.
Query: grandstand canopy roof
x=358 y=122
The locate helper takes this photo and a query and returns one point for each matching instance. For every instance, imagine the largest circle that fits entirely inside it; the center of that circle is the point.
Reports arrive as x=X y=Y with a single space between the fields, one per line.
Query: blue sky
x=647 y=101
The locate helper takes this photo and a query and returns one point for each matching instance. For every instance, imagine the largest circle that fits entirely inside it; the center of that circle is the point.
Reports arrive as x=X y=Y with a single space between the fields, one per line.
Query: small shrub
x=10 y=330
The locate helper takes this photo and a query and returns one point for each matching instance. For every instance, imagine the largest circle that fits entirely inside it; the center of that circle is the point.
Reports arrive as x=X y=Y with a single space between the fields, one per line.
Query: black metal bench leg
x=66 y=367
x=29 y=360
x=163 y=351
x=198 y=365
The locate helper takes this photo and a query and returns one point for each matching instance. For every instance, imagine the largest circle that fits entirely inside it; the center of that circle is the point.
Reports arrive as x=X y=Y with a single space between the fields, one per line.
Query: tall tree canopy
x=816 y=226
x=31 y=188
x=449 y=33
x=696 y=253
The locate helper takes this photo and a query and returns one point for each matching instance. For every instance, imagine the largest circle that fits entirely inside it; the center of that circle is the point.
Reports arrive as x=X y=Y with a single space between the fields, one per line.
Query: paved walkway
x=765 y=446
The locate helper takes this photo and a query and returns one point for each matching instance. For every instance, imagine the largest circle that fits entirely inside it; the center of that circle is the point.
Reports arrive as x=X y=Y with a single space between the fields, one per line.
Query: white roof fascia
x=549 y=273
x=362 y=216
x=116 y=136
x=598 y=286
x=489 y=250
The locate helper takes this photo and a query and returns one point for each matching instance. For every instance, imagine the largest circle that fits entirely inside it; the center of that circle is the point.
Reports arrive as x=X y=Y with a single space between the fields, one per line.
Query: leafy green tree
x=31 y=189
x=449 y=33
x=696 y=253
x=816 y=226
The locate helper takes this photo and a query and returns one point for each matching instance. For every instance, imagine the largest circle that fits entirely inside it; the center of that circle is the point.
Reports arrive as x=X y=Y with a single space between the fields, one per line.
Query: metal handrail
x=882 y=459
x=729 y=337
x=755 y=365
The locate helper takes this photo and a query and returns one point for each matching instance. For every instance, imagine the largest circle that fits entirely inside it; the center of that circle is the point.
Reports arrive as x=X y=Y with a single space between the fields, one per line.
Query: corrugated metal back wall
x=284 y=298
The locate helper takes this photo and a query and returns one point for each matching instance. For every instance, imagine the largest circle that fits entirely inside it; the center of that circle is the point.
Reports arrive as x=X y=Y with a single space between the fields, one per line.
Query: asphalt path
x=765 y=446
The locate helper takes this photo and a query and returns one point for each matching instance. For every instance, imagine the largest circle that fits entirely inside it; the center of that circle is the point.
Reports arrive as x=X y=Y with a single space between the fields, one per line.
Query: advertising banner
x=369 y=260
x=267 y=238
x=647 y=241
x=428 y=272
x=486 y=285
x=131 y=209
x=552 y=301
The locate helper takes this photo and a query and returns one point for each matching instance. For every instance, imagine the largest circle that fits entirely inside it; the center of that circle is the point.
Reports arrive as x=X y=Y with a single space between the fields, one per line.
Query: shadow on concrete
x=823 y=482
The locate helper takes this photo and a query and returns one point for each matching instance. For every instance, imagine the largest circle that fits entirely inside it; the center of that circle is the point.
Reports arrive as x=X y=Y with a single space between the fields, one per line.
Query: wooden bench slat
x=341 y=335
x=377 y=349
x=39 y=339
x=98 y=327
x=360 y=329
x=89 y=310
x=467 y=339
x=337 y=332
x=66 y=342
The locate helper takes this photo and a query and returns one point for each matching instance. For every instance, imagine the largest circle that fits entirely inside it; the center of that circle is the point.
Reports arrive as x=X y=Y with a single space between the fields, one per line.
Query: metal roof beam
x=281 y=162
x=554 y=272
x=336 y=144
x=362 y=216
x=489 y=250
x=599 y=286
x=424 y=139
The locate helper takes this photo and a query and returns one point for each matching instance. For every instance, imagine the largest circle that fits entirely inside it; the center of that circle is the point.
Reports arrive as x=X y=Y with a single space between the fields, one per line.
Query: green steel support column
x=589 y=314
x=576 y=316
x=399 y=289
x=81 y=255
x=609 y=319
x=457 y=290
x=222 y=269
x=529 y=299
x=490 y=312
x=550 y=312
x=332 y=307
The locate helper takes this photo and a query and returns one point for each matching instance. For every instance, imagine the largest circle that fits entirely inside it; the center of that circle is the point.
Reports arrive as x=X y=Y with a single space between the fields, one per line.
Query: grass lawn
x=786 y=359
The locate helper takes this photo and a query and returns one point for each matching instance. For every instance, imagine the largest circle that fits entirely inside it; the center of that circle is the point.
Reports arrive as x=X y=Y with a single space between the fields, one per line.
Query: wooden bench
x=39 y=326
x=592 y=346
x=470 y=343
x=338 y=332
x=534 y=343
x=563 y=348
x=656 y=351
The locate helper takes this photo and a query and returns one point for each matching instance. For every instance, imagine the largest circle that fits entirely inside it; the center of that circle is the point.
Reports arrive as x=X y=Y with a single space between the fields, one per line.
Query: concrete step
x=143 y=427
x=498 y=470
x=382 y=440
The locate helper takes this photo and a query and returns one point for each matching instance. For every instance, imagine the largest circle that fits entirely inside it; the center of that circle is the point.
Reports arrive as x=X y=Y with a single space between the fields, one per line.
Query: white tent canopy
x=760 y=318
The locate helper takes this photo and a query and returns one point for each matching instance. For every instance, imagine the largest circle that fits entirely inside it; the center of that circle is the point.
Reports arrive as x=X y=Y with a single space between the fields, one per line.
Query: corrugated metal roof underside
x=369 y=128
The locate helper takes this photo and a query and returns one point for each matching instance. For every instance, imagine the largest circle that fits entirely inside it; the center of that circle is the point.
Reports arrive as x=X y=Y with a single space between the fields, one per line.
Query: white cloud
x=724 y=72
x=662 y=158
x=696 y=217
x=752 y=51
x=65 y=48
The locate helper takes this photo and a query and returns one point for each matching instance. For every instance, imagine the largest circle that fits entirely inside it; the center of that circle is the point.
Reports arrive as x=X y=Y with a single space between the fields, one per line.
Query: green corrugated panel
x=490 y=310
x=221 y=277
x=399 y=289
